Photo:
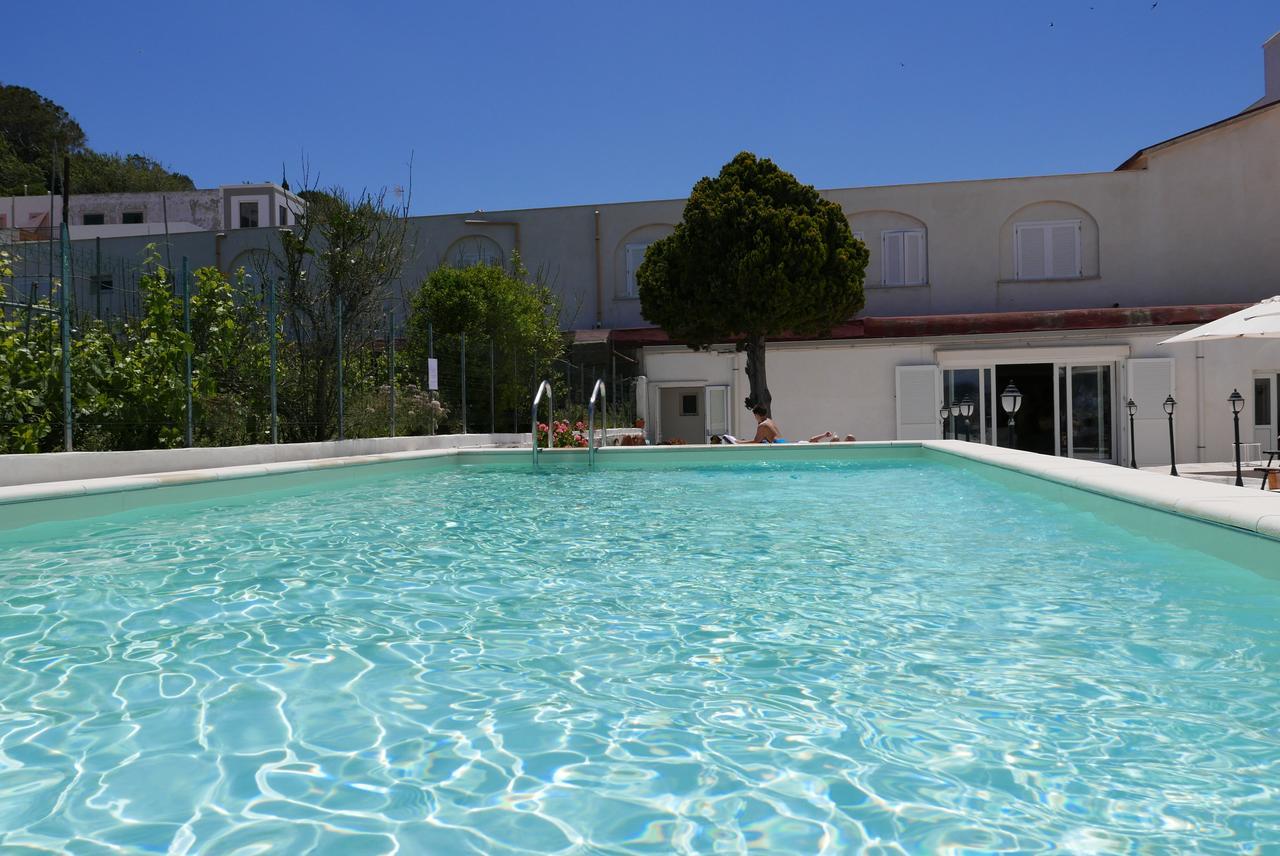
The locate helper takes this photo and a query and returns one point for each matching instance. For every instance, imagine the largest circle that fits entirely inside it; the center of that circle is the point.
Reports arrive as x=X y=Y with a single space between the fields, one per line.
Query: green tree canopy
x=487 y=302
x=17 y=176
x=95 y=172
x=34 y=126
x=33 y=129
x=756 y=254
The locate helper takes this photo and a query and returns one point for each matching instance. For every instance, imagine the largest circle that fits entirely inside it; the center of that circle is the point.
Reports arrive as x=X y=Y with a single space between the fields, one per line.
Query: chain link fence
x=118 y=353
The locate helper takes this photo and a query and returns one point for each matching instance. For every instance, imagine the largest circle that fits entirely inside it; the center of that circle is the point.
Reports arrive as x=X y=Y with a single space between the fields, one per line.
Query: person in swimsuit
x=766 y=429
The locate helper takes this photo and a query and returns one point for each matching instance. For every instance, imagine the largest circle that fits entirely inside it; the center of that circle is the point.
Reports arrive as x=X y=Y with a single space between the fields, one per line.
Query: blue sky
x=507 y=105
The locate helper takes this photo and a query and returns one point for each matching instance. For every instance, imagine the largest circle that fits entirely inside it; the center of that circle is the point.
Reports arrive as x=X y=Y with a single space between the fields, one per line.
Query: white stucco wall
x=849 y=387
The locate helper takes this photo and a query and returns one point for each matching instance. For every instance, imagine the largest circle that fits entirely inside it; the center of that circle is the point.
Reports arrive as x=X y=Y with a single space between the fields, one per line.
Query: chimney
x=1271 y=73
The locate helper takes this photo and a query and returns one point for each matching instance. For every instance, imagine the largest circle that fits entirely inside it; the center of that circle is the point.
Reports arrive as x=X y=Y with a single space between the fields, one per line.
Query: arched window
x=474 y=250
x=898 y=244
x=1049 y=240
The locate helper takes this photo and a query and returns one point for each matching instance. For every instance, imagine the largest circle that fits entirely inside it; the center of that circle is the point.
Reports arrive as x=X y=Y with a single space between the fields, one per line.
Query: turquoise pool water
x=798 y=658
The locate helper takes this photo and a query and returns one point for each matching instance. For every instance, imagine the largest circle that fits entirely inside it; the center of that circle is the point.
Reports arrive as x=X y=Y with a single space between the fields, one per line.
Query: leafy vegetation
x=34 y=135
x=756 y=254
x=488 y=303
x=128 y=378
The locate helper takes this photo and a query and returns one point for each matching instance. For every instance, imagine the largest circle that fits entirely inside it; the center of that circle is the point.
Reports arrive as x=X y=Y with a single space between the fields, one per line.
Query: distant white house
x=118 y=215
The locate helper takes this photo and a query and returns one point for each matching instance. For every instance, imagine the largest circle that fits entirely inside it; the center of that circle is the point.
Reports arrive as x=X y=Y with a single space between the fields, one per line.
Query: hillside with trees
x=35 y=133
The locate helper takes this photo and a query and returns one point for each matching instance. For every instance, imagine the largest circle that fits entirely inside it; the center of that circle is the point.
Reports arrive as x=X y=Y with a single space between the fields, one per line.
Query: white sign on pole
x=433 y=377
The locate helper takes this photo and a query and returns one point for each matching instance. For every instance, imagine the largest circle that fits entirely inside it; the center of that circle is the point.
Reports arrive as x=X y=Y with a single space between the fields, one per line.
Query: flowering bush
x=563 y=436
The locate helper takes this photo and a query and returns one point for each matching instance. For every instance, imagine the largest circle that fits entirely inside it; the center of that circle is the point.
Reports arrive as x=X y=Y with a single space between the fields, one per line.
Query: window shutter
x=891 y=259
x=1031 y=252
x=1150 y=382
x=917 y=402
x=913 y=258
x=635 y=257
x=1065 y=255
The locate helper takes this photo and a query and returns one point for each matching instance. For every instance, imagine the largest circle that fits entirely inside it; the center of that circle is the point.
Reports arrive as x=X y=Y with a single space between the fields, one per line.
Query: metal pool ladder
x=544 y=387
x=597 y=391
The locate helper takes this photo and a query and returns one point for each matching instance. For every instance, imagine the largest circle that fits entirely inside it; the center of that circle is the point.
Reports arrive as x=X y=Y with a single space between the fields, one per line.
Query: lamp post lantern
x=966 y=410
x=1237 y=404
x=943 y=412
x=1010 y=401
x=1169 y=405
x=1133 y=409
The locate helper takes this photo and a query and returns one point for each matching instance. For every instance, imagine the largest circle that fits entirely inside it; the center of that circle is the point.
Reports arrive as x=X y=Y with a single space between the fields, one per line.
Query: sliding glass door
x=1085 y=405
x=1066 y=409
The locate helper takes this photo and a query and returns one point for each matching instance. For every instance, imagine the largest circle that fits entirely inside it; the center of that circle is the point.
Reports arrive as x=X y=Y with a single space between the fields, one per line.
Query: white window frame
x=923 y=260
x=1048 y=226
x=630 y=289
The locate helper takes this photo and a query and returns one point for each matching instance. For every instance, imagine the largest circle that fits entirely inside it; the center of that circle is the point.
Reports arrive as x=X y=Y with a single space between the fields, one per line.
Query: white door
x=717 y=410
x=917 y=402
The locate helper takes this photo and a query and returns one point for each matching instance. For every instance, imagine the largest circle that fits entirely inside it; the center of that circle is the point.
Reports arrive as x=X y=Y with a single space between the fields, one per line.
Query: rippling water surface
x=794 y=659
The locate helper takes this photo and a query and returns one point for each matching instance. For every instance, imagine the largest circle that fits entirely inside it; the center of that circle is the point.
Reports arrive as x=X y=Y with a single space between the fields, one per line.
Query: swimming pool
x=784 y=655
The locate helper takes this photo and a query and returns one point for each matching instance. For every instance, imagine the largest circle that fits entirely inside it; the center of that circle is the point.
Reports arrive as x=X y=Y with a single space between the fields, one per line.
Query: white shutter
x=913 y=252
x=891 y=258
x=1150 y=383
x=1065 y=253
x=717 y=410
x=635 y=258
x=917 y=402
x=1029 y=247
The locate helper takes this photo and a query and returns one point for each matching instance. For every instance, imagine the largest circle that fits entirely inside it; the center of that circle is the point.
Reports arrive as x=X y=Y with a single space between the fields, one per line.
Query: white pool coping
x=1247 y=509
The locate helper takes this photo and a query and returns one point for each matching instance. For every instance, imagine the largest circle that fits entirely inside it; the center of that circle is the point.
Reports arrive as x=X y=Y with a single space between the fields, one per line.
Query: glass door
x=1266 y=409
x=958 y=386
x=1085 y=412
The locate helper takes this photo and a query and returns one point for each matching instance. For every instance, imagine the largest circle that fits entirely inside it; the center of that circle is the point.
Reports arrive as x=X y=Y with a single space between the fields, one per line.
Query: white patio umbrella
x=1260 y=321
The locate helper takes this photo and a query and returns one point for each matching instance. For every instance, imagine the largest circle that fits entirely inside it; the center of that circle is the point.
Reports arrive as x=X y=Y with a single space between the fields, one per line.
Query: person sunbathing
x=828 y=437
x=766 y=429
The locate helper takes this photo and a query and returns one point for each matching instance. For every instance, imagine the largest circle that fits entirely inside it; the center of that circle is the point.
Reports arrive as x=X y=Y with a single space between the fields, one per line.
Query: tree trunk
x=759 y=393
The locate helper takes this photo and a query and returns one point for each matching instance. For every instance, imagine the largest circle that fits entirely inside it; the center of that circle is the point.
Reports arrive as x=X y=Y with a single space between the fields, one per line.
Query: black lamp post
x=1237 y=404
x=1133 y=409
x=1011 y=400
x=1169 y=405
x=966 y=410
x=943 y=412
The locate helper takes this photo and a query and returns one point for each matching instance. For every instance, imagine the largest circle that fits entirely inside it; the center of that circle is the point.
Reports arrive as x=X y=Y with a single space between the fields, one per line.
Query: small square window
x=284 y=216
x=132 y=217
x=689 y=405
x=93 y=219
x=248 y=215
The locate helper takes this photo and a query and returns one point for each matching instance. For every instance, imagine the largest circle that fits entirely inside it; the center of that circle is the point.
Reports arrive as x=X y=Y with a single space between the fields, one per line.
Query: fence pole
x=64 y=300
x=271 y=348
x=391 y=364
x=431 y=355
x=464 y=382
x=493 y=413
x=186 y=328
x=97 y=277
x=341 y=400
x=31 y=302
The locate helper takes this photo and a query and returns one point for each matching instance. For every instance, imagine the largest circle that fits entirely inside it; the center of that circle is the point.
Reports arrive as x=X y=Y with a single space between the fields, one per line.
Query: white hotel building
x=1062 y=284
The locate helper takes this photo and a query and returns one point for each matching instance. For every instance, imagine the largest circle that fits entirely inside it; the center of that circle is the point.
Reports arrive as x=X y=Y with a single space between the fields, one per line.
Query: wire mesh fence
x=110 y=353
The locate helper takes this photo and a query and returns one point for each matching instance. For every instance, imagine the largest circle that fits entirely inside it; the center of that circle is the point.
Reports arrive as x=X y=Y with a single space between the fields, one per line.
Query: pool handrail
x=545 y=386
x=596 y=391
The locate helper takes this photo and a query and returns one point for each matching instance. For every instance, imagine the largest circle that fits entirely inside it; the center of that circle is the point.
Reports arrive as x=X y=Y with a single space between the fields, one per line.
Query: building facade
x=119 y=215
x=1062 y=284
